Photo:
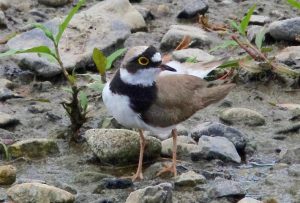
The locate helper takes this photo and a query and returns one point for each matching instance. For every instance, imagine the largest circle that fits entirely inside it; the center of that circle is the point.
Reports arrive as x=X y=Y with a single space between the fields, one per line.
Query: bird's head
x=141 y=65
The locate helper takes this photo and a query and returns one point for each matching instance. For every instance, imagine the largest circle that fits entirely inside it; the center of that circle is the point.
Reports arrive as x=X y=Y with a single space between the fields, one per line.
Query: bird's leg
x=171 y=168
x=139 y=174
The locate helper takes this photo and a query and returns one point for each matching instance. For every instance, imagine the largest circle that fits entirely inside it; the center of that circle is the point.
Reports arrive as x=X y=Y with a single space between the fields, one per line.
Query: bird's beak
x=166 y=67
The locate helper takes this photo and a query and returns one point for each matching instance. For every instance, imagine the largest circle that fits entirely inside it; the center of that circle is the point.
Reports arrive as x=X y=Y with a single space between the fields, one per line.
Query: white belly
x=119 y=107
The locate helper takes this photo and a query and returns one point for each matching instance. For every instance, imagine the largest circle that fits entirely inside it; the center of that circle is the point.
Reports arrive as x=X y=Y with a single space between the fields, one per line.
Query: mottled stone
x=226 y=188
x=113 y=183
x=6 y=119
x=54 y=3
x=249 y=200
x=189 y=179
x=7 y=174
x=259 y=20
x=37 y=193
x=109 y=145
x=216 y=148
x=242 y=116
x=33 y=148
x=161 y=193
x=176 y=33
x=118 y=18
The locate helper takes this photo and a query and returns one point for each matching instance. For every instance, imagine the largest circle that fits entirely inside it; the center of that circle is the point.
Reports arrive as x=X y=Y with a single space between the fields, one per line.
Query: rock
x=113 y=183
x=242 y=116
x=259 y=20
x=161 y=193
x=54 y=3
x=6 y=119
x=7 y=174
x=189 y=179
x=87 y=177
x=216 y=148
x=290 y=56
x=226 y=188
x=175 y=34
x=162 y=10
x=291 y=156
x=33 y=148
x=43 y=86
x=286 y=30
x=108 y=145
x=198 y=54
x=192 y=8
x=37 y=192
x=145 y=12
x=2 y=20
x=185 y=146
x=294 y=170
x=6 y=137
x=4 y=5
x=249 y=200
x=138 y=38
x=117 y=17
x=5 y=92
x=214 y=129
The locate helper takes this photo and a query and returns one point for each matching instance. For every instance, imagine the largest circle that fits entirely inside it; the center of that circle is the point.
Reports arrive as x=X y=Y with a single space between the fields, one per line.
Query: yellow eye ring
x=143 y=61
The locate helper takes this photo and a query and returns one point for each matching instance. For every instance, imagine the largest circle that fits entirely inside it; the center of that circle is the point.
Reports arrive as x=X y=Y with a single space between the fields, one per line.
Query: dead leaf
x=204 y=22
x=185 y=43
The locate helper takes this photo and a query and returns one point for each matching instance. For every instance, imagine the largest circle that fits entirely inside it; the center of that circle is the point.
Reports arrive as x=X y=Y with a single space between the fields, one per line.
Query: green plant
x=256 y=59
x=294 y=3
x=5 y=151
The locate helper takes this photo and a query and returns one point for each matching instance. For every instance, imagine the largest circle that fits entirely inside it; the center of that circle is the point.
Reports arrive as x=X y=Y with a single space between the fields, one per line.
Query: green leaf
x=111 y=58
x=67 y=89
x=260 y=37
x=229 y=64
x=50 y=58
x=266 y=49
x=235 y=26
x=72 y=79
x=38 y=49
x=96 y=86
x=46 y=31
x=67 y=20
x=100 y=60
x=245 y=21
x=224 y=45
x=294 y=3
x=5 y=150
x=83 y=100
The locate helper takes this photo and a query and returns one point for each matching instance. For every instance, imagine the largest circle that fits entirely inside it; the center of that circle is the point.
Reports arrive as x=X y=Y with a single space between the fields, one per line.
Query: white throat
x=144 y=77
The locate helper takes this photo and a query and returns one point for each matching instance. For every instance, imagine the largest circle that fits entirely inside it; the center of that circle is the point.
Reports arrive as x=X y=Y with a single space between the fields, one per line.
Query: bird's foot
x=168 y=169
x=137 y=176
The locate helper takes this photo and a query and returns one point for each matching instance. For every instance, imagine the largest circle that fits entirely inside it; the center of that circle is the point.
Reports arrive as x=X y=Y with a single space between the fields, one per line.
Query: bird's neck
x=141 y=97
x=142 y=77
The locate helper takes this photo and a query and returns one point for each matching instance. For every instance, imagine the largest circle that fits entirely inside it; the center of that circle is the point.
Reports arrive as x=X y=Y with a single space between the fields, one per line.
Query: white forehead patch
x=156 y=57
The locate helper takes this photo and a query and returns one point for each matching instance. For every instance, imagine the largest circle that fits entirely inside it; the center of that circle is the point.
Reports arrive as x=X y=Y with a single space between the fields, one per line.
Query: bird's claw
x=168 y=168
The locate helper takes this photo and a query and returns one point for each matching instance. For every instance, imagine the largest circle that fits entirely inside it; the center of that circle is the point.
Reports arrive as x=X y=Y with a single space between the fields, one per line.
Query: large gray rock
x=259 y=20
x=216 y=148
x=120 y=146
x=286 y=30
x=6 y=119
x=7 y=174
x=33 y=148
x=242 y=116
x=176 y=33
x=116 y=19
x=198 y=54
x=185 y=145
x=37 y=193
x=189 y=179
x=54 y=3
x=161 y=193
x=192 y=8
x=214 y=129
x=226 y=188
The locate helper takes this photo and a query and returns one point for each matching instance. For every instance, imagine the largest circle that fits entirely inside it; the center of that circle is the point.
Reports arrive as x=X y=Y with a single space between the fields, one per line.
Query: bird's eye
x=143 y=61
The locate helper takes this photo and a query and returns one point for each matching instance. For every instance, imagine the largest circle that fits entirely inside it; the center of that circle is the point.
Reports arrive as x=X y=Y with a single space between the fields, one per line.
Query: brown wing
x=180 y=96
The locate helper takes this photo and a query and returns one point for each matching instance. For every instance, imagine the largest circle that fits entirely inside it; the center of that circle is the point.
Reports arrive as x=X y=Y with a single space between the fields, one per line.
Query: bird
x=146 y=94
